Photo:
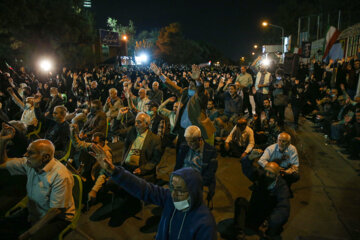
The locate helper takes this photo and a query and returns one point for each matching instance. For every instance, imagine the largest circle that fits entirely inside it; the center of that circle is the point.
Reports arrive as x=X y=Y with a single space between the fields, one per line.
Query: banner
x=306 y=49
x=109 y=38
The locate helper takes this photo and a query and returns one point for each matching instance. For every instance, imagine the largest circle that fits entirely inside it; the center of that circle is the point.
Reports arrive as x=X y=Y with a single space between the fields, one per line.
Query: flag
x=331 y=37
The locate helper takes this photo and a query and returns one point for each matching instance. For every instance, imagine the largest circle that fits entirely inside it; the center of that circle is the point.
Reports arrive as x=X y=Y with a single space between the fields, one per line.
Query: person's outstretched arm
x=134 y=185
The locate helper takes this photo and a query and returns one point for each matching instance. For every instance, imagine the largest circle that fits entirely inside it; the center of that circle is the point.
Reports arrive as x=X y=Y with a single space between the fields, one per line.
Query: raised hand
x=195 y=73
x=155 y=69
x=7 y=132
x=172 y=99
x=100 y=156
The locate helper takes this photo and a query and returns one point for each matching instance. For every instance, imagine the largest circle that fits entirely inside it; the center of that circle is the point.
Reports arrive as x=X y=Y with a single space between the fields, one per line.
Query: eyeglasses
x=179 y=191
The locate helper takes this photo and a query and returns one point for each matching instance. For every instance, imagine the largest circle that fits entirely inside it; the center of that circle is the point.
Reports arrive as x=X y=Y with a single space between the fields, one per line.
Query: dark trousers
x=243 y=218
x=354 y=147
x=280 y=114
x=234 y=151
x=259 y=101
x=12 y=227
x=296 y=113
x=246 y=102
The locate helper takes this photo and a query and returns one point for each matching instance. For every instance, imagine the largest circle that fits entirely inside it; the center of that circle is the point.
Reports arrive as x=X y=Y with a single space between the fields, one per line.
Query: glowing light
x=143 y=58
x=255 y=46
x=265 y=24
x=124 y=37
x=265 y=62
x=253 y=53
x=45 y=65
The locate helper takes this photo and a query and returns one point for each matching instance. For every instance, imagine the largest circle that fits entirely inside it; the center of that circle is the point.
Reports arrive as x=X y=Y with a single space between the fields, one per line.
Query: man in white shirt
x=240 y=141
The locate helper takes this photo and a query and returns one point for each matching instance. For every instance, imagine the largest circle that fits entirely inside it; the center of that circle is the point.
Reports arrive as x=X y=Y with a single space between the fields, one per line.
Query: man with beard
x=269 y=206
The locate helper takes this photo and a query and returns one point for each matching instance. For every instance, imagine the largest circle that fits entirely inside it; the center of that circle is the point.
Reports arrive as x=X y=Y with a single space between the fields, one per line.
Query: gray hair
x=146 y=117
x=192 y=132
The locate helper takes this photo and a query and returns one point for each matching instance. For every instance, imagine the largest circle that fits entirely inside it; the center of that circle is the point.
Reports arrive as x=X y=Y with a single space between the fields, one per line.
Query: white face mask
x=182 y=205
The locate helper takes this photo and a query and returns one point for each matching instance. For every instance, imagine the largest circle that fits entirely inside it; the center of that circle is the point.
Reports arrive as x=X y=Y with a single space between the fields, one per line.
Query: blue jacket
x=209 y=164
x=195 y=223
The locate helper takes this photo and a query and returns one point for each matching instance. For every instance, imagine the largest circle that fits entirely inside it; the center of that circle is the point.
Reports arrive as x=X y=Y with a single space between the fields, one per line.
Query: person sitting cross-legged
x=284 y=154
x=240 y=141
x=269 y=206
x=198 y=154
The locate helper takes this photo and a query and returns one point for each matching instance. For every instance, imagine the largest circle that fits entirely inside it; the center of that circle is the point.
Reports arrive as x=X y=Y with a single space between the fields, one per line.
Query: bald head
x=272 y=167
x=283 y=141
x=44 y=146
x=39 y=153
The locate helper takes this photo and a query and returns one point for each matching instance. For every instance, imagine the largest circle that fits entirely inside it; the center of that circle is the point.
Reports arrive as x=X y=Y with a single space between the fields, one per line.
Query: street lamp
x=125 y=38
x=253 y=53
x=265 y=24
x=255 y=46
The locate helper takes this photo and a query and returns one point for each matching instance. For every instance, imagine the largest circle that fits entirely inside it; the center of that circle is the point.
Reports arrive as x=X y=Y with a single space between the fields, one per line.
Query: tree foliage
x=59 y=28
x=173 y=47
x=128 y=30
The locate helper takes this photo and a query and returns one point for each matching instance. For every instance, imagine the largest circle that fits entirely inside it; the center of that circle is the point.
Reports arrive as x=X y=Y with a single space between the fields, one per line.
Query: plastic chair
x=67 y=155
x=35 y=132
x=107 y=128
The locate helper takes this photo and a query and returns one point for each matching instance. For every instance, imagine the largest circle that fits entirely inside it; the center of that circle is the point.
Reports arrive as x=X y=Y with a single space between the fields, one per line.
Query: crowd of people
x=70 y=120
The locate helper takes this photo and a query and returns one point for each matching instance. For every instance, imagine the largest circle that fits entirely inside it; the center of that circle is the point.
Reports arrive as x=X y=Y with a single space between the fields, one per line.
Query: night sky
x=231 y=26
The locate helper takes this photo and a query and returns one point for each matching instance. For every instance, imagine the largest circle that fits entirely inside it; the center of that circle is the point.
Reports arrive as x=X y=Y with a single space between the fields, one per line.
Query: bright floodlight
x=45 y=65
x=143 y=58
x=265 y=62
x=125 y=37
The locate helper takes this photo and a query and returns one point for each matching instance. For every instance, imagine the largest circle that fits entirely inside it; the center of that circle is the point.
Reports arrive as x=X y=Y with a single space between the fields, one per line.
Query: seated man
x=142 y=149
x=158 y=123
x=99 y=139
x=112 y=105
x=51 y=205
x=184 y=214
x=55 y=100
x=269 y=206
x=56 y=129
x=240 y=141
x=284 y=154
x=155 y=94
x=138 y=103
x=199 y=155
x=96 y=121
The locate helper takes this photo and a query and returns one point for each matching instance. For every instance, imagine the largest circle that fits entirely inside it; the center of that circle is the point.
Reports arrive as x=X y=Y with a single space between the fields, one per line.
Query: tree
x=59 y=28
x=128 y=30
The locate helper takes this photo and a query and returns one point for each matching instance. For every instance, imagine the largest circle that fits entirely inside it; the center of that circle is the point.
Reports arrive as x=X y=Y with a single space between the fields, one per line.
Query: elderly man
x=140 y=102
x=155 y=94
x=240 y=141
x=49 y=187
x=269 y=206
x=199 y=155
x=56 y=129
x=284 y=154
x=142 y=149
x=112 y=105
x=184 y=214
